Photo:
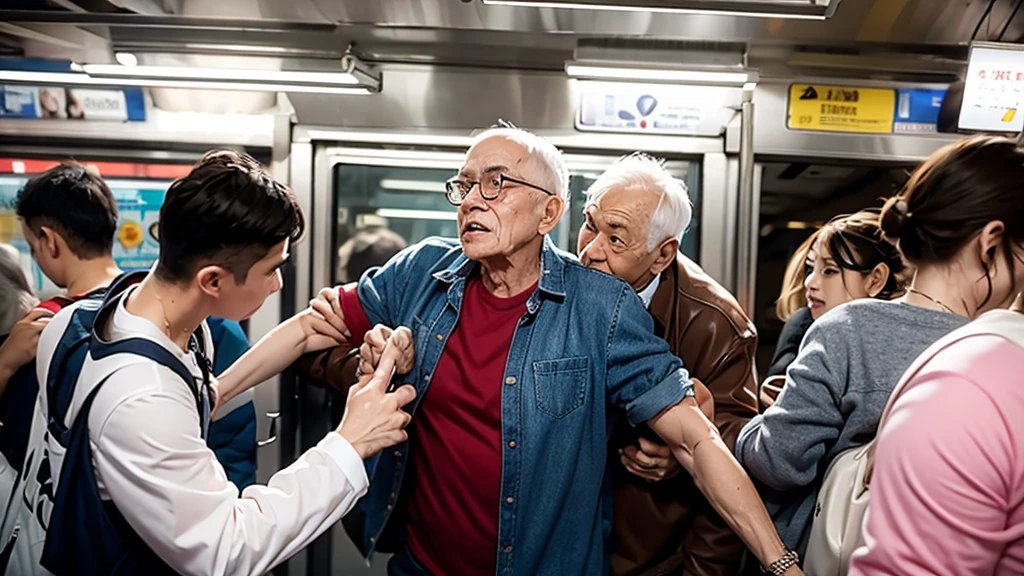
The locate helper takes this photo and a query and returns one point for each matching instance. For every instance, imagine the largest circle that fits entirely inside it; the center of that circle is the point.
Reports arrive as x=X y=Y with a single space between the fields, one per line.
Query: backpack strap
x=100 y=348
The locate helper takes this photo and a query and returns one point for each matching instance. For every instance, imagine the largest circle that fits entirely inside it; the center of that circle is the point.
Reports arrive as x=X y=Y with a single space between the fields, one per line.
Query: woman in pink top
x=947 y=493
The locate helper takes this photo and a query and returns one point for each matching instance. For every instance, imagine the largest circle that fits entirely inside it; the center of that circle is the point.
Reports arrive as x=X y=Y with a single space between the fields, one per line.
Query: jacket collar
x=552 y=277
x=663 y=303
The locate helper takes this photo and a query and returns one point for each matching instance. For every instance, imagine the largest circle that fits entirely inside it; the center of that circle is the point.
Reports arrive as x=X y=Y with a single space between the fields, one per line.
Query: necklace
x=933 y=300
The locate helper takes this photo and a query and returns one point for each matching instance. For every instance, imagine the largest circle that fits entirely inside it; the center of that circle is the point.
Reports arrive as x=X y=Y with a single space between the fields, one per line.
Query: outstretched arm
x=307 y=331
x=698 y=446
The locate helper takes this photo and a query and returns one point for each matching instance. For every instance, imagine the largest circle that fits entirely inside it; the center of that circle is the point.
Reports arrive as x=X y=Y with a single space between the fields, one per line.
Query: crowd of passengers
x=514 y=409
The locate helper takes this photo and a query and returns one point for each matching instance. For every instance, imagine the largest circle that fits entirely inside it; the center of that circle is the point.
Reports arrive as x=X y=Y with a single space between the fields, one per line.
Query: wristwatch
x=779 y=567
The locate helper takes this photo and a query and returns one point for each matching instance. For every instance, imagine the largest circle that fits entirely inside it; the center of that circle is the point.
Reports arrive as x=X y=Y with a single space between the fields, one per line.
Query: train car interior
x=776 y=114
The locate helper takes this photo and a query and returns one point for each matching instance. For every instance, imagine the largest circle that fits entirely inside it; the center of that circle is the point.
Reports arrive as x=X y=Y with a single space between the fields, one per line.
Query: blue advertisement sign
x=917 y=110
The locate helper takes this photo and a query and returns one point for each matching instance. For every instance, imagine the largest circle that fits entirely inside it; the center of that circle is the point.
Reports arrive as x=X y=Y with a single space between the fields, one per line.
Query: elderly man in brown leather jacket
x=635 y=214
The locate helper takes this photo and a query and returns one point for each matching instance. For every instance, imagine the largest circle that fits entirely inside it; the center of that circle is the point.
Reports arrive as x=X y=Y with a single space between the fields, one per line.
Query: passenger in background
x=367 y=248
x=19 y=335
x=233 y=430
x=16 y=297
x=791 y=308
x=635 y=216
x=853 y=356
x=948 y=483
x=69 y=219
x=847 y=259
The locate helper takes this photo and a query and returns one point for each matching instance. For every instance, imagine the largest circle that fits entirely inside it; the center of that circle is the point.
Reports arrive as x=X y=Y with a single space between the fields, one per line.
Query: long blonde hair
x=792 y=297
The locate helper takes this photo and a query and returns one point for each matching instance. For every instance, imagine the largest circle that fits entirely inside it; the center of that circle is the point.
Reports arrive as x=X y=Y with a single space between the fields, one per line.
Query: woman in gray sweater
x=853 y=356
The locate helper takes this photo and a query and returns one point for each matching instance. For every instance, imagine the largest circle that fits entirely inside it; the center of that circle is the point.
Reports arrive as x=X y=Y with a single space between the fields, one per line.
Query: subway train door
x=357 y=187
x=796 y=197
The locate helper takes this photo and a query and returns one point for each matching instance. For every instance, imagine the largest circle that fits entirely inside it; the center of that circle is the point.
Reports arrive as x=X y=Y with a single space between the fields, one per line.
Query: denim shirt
x=584 y=353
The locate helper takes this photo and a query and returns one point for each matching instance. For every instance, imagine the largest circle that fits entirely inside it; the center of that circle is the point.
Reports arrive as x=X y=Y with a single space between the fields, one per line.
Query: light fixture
x=126 y=59
x=407 y=214
x=412 y=185
x=804 y=10
x=637 y=73
x=83 y=79
x=353 y=79
x=220 y=75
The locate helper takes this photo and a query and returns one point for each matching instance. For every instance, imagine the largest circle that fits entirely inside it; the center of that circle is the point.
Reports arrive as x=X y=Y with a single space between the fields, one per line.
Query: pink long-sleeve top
x=947 y=496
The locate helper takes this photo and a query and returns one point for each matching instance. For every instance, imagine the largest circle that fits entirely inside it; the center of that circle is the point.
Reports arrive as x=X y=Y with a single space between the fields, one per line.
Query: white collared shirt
x=151 y=461
x=647 y=294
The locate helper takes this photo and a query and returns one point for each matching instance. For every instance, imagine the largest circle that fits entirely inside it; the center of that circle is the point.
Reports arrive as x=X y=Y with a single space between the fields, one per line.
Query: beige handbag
x=836 y=527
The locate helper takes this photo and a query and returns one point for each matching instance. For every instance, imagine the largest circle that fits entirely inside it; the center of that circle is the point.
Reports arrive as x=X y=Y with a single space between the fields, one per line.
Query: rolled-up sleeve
x=644 y=378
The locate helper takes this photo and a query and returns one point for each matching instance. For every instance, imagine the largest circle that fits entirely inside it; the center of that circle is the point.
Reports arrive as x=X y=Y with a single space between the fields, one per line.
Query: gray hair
x=547 y=159
x=16 y=296
x=639 y=172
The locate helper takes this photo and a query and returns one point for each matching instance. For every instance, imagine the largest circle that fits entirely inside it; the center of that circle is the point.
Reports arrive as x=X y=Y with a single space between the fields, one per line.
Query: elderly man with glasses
x=524 y=360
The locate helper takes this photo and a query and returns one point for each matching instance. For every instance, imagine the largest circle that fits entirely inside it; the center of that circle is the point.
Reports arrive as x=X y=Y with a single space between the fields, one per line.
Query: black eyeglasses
x=457 y=189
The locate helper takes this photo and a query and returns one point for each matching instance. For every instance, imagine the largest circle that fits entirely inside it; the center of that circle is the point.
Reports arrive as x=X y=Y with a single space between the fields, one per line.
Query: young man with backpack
x=126 y=394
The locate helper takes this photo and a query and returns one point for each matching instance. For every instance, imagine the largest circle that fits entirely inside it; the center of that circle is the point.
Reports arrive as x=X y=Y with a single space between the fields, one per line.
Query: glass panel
x=372 y=200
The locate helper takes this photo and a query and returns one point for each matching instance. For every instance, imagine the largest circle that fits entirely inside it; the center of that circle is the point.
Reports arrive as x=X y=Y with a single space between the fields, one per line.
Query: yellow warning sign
x=841 y=108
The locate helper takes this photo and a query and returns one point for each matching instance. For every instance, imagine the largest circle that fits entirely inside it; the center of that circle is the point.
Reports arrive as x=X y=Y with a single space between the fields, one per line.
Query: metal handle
x=272 y=435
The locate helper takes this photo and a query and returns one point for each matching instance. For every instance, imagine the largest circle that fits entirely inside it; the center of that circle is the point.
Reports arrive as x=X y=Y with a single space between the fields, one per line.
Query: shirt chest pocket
x=560 y=386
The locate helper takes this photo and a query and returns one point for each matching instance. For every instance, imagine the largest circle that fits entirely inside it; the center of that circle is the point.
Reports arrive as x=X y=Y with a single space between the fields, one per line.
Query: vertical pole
x=746 y=220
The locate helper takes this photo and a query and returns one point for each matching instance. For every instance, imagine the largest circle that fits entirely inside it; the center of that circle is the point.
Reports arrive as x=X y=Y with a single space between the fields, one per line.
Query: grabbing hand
x=374 y=418
x=20 y=347
x=317 y=331
x=374 y=343
x=328 y=305
x=652 y=461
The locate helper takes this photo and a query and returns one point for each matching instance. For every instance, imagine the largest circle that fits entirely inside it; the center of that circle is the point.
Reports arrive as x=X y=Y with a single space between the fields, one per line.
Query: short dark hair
x=75 y=202
x=367 y=248
x=228 y=212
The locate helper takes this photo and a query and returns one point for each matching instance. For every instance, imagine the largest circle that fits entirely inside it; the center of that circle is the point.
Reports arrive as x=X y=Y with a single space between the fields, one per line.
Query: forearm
x=729 y=490
x=267 y=358
x=5 y=376
x=696 y=443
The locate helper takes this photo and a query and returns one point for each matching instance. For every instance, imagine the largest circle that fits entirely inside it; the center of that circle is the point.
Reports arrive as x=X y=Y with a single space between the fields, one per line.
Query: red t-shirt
x=456 y=440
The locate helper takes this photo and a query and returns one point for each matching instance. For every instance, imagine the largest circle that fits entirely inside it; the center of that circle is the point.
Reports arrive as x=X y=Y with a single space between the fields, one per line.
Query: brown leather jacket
x=668 y=527
x=331 y=368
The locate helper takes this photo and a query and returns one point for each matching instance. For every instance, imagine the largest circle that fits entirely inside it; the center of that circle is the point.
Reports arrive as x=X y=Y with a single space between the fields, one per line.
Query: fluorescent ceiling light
x=220 y=74
x=406 y=214
x=240 y=48
x=656 y=74
x=661 y=9
x=80 y=79
x=412 y=185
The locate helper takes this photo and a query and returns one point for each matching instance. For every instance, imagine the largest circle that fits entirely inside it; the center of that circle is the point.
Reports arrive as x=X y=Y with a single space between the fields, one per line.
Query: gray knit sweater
x=836 y=389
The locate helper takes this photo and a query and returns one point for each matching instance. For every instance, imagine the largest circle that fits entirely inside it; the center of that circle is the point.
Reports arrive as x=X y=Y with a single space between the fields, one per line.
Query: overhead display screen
x=994 y=89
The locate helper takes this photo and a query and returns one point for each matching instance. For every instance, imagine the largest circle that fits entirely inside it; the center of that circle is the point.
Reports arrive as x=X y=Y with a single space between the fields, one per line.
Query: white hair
x=16 y=296
x=640 y=172
x=547 y=159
